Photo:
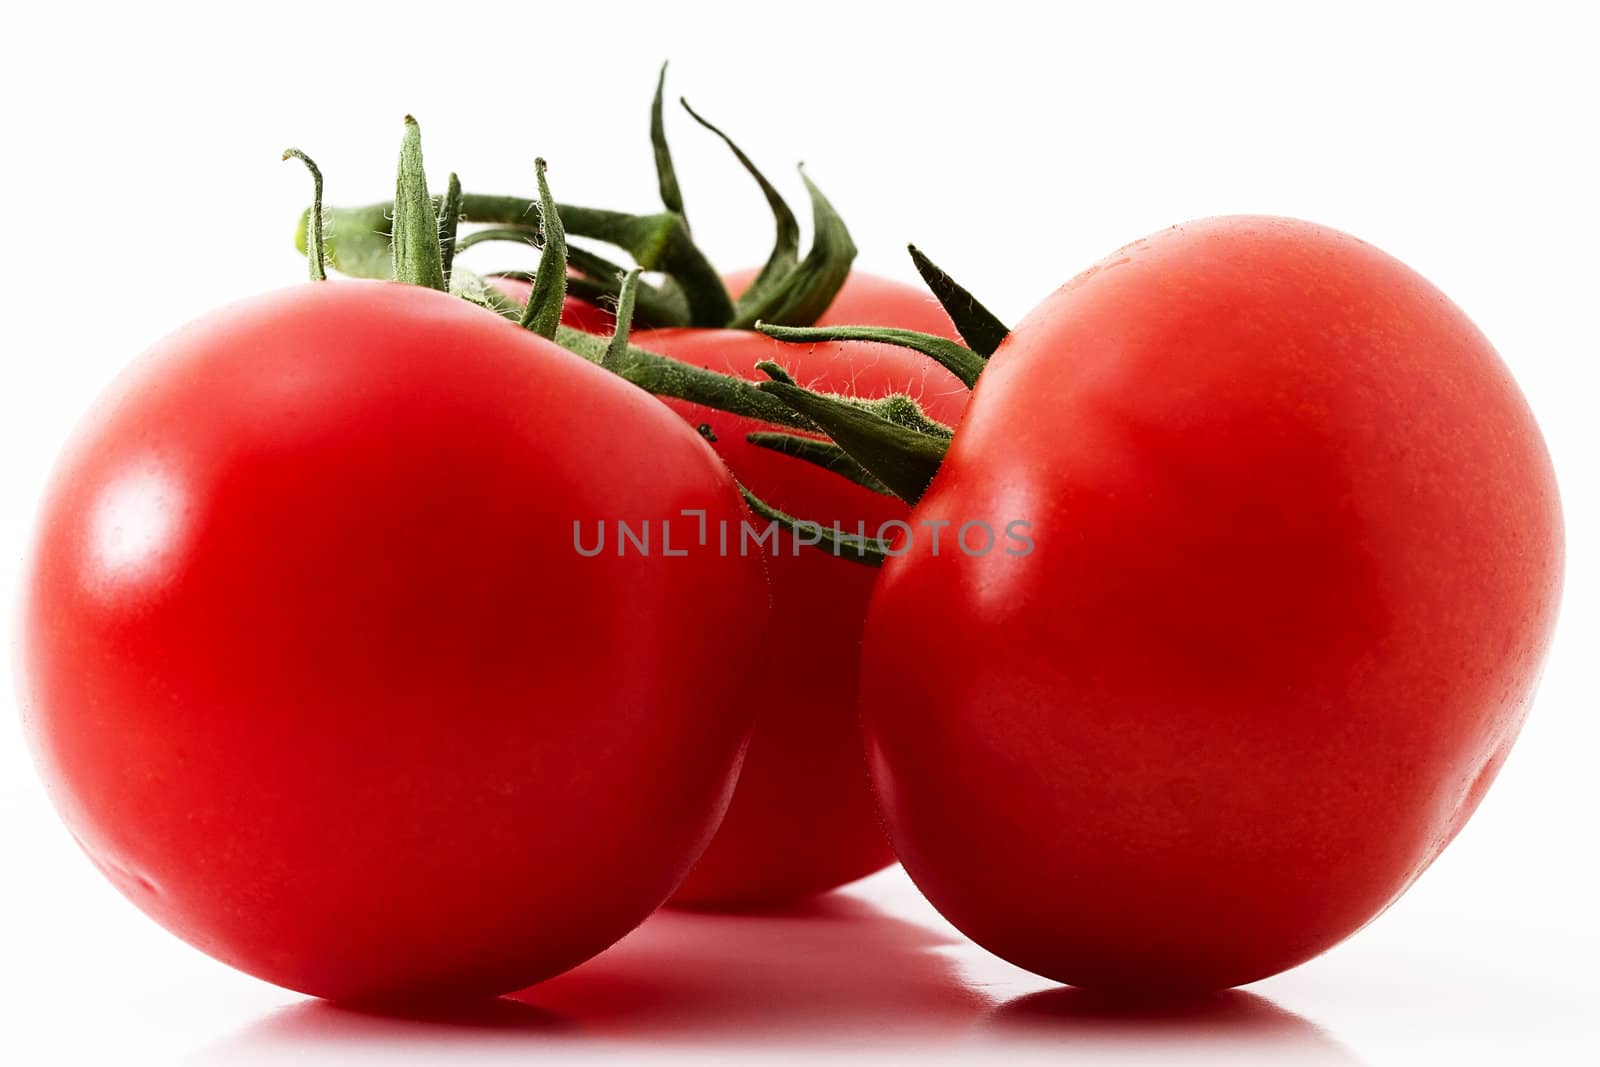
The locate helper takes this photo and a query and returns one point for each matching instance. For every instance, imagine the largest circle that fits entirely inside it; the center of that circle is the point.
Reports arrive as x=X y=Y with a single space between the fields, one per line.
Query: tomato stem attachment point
x=316 y=249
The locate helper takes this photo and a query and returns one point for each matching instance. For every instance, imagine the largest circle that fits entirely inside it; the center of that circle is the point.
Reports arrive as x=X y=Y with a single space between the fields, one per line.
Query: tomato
x=317 y=678
x=803 y=819
x=1296 y=559
x=579 y=314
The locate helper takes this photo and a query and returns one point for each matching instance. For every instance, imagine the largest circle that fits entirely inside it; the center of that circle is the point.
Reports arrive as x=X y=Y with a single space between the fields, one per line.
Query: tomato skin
x=1298 y=557
x=577 y=313
x=803 y=819
x=315 y=676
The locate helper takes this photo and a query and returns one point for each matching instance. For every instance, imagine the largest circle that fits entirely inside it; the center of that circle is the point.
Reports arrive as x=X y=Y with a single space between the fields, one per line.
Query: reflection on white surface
x=838 y=977
x=133 y=523
x=1233 y=1027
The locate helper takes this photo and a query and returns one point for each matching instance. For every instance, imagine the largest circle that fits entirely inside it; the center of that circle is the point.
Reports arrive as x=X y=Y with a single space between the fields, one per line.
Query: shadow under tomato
x=832 y=971
x=316 y=1031
x=1231 y=1027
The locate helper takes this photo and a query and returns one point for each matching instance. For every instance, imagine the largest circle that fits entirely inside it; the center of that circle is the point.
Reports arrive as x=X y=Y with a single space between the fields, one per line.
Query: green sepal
x=617 y=348
x=549 y=290
x=825 y=454
x=978 y=326
x=802 y=295
x=312 y=242
x=449 y=223
x=599 y=281
x=415 y=244
x=785 y=252
x=958 y=359
x=666 y=174
x=902 y=458
x=870 y=551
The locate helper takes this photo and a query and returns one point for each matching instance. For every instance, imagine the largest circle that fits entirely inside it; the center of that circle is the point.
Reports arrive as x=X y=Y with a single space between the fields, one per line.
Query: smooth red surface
x=1298 y=560
x=579 y=314
x=316 y=677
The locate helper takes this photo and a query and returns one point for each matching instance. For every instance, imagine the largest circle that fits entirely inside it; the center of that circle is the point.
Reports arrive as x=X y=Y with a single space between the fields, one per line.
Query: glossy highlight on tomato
x=1298 y=557
x=314 y=673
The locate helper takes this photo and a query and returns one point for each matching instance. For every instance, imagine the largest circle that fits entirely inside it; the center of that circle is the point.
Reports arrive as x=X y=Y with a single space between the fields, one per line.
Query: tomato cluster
x=1250 y=553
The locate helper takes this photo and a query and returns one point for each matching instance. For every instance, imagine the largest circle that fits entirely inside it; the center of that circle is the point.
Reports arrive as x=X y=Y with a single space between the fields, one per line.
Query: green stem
x=360 y=246
x=523 y=235
x=683 y=381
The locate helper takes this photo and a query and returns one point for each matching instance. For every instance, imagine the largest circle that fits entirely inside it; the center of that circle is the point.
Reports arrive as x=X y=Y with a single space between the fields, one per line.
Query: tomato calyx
x=889 y=445
x=789 y=290
x=892 y=439
x=429 y=240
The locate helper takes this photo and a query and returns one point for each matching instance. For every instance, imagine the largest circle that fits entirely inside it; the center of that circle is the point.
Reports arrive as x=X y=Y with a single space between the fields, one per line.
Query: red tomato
x=1297 y=558
x=317 y=677
x=803 y=819
x=579 y=314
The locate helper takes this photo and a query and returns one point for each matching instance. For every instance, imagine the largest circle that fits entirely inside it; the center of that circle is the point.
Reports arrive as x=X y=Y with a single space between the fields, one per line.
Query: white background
x=1016 y=144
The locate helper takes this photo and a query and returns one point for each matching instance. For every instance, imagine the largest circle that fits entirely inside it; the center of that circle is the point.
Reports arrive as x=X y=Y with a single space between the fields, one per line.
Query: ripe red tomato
x=317 y=677
x=803 y=819
x=1297 y=558
x=579 y=314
